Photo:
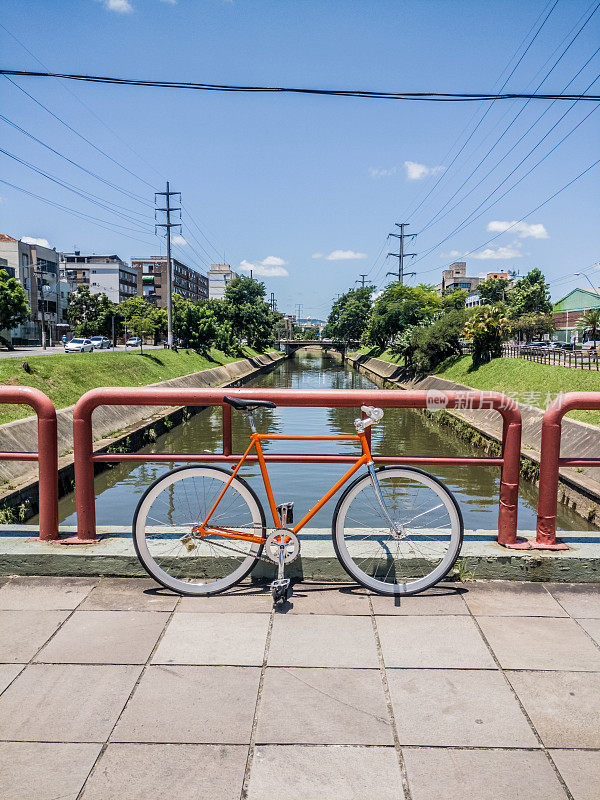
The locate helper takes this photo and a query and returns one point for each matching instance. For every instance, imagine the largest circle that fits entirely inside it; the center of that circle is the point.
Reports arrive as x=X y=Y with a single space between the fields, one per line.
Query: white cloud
x=416 y=172
x=382 y=172
x=317 y=255
x=522 y=229
x=376 y=295
x=33 y=240
x=119 y=6
x=269 y=267
x=344 y=255
x=508 y=251
x=179 y=240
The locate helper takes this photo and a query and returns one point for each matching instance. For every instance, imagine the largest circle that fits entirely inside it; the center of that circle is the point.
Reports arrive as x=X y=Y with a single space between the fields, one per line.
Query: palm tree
x=590 y=321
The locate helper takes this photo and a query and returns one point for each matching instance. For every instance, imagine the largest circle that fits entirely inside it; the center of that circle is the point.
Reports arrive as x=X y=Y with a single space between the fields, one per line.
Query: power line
x=518 y=114
x=126 y=192
x=470 y=218
x=106 y=224
x=70 y=128
x=445 y=172
x=526 y=216
x=509 y=152
x=91 y=198
x=371 y=95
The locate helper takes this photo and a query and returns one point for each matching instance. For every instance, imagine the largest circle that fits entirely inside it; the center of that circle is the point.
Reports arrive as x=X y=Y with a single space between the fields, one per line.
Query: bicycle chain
x=241 y=552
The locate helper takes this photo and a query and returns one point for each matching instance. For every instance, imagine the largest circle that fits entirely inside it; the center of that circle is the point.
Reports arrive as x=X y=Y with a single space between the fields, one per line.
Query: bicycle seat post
x=251 y=420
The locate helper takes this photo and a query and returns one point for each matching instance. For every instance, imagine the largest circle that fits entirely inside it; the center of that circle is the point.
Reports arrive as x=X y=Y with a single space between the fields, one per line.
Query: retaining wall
x=579 y=488
x=111 y=423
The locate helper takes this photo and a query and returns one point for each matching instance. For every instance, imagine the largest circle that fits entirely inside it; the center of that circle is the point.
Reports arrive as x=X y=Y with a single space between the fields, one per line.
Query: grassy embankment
x=64 y=378
x=528 y=382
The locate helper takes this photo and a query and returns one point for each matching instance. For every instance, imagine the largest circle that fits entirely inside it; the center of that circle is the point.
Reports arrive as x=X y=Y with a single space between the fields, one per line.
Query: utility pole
x=361 y=279
x=168 y=209
x=401 y=255
x=273 y=303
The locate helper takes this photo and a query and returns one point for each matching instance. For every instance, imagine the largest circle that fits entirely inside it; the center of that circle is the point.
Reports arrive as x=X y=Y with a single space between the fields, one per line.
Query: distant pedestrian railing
x=582 y=359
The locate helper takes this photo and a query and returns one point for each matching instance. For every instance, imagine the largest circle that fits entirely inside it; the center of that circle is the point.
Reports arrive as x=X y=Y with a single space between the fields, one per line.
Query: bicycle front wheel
x=176 y=503
x=387 y=562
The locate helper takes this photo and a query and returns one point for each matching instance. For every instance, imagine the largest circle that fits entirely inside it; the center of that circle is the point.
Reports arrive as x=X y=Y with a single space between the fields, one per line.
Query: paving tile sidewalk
x=115 y=688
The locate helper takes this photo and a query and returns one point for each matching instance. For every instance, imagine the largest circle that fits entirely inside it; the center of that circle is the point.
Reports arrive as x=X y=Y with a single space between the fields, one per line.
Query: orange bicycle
x=200 y=530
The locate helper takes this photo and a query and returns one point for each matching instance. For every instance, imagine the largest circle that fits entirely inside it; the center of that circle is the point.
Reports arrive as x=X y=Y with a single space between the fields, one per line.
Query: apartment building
x=455 y=277
x=106 y=274
x=151 y=276
x=219 y=275
x=36 y=267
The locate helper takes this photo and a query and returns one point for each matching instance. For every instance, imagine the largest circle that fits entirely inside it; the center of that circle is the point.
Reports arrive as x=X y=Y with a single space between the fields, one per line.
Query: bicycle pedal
x=188 y=542
x=280 y=583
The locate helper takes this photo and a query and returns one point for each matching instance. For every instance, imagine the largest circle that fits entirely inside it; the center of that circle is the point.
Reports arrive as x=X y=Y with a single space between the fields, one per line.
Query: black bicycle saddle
x=243 y=404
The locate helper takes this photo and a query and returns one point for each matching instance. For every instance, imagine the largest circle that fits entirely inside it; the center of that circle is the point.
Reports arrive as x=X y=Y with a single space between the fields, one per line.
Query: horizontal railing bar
x=292 y=458
x=19 y=456
x=579 y=462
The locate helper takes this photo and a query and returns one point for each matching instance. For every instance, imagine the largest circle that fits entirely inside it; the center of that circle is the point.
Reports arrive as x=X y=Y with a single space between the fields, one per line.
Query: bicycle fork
x=396 y=530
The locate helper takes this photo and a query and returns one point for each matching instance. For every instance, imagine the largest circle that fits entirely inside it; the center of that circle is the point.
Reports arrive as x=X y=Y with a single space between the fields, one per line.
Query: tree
x=250 y=316
x=429 y=345
x=142 y=326
x=533 y=326
x=493 y=290
x=349 y=314
x=487 y=328
x=590 y=321
x=139 y=316
x=529 y=295
x=13 y=305
x=90 y=314
x=400 y=307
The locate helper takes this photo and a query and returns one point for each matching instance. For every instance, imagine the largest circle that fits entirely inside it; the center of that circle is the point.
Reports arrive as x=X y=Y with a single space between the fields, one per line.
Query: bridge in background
x=289 y=346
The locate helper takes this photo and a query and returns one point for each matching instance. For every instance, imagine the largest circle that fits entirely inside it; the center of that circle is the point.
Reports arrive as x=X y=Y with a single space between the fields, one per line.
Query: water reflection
x=403 y=431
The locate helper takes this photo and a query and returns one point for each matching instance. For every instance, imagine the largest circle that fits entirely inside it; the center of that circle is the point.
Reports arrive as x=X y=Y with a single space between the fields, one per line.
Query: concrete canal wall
x=579 y=488
x=112 y=425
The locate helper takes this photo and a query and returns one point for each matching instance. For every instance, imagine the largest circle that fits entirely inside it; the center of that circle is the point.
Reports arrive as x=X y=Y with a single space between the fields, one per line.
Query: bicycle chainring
x=291 y=544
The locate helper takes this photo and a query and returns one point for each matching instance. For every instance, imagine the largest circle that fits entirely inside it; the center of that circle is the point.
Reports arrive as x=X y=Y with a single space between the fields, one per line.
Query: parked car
x=593 y=345
x=79 y=345
x=100 y=342
x=561 y=345
x=134 y=341
x=537 y=344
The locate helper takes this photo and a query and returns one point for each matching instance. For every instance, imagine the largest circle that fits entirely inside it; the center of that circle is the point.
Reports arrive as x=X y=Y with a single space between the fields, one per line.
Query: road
x=29 y=352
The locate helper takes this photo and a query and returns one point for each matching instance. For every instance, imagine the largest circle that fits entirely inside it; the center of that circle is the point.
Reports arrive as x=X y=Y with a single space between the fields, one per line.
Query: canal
x=402 y=431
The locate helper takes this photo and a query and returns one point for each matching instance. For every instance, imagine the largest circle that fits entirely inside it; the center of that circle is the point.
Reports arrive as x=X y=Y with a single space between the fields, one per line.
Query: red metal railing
x=46 y=456
x=85 y=458
x=550 y=462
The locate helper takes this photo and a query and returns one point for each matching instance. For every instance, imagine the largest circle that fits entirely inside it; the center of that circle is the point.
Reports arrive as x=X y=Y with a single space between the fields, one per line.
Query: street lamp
x=583 y=275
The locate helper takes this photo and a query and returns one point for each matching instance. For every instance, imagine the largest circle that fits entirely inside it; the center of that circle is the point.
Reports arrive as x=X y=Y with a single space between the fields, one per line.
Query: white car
x=100 y=342
x=592 y=345
x=134 y=341
x=79 y=345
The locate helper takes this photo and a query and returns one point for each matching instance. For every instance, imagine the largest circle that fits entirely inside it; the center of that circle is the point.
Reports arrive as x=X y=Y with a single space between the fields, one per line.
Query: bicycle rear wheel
x=177 y=502
x=375 y=555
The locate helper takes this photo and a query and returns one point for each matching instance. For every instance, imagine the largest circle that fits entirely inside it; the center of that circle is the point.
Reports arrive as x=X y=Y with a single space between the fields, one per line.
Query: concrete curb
x=481 y=557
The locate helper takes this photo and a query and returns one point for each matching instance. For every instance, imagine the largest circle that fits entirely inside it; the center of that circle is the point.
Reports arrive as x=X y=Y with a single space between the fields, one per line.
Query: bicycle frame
x=257 y=438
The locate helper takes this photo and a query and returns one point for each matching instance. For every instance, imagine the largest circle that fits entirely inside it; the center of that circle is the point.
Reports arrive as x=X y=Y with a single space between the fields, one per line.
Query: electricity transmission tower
x=401 y=255
x=168 y=210
x=361 y=279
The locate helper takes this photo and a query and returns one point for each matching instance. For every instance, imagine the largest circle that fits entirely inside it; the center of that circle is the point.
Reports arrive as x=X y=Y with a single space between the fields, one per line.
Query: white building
x=106 y=274
x=37 y=270
x=219 y=275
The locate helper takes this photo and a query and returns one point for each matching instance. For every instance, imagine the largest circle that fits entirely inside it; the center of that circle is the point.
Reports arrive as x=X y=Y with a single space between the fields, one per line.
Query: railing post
x=48 y=476
x=509 y=484
x=85 y=497
x=227 y=439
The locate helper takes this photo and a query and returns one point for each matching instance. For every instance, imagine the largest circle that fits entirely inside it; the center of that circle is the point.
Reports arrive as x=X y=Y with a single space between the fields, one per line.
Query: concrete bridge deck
x=112 y=689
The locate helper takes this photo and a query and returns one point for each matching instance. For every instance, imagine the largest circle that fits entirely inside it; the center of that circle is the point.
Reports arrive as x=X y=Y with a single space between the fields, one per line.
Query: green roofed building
x=568 y=311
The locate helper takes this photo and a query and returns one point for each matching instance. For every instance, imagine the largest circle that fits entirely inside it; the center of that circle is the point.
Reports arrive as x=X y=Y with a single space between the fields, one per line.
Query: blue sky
x=306 y=188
